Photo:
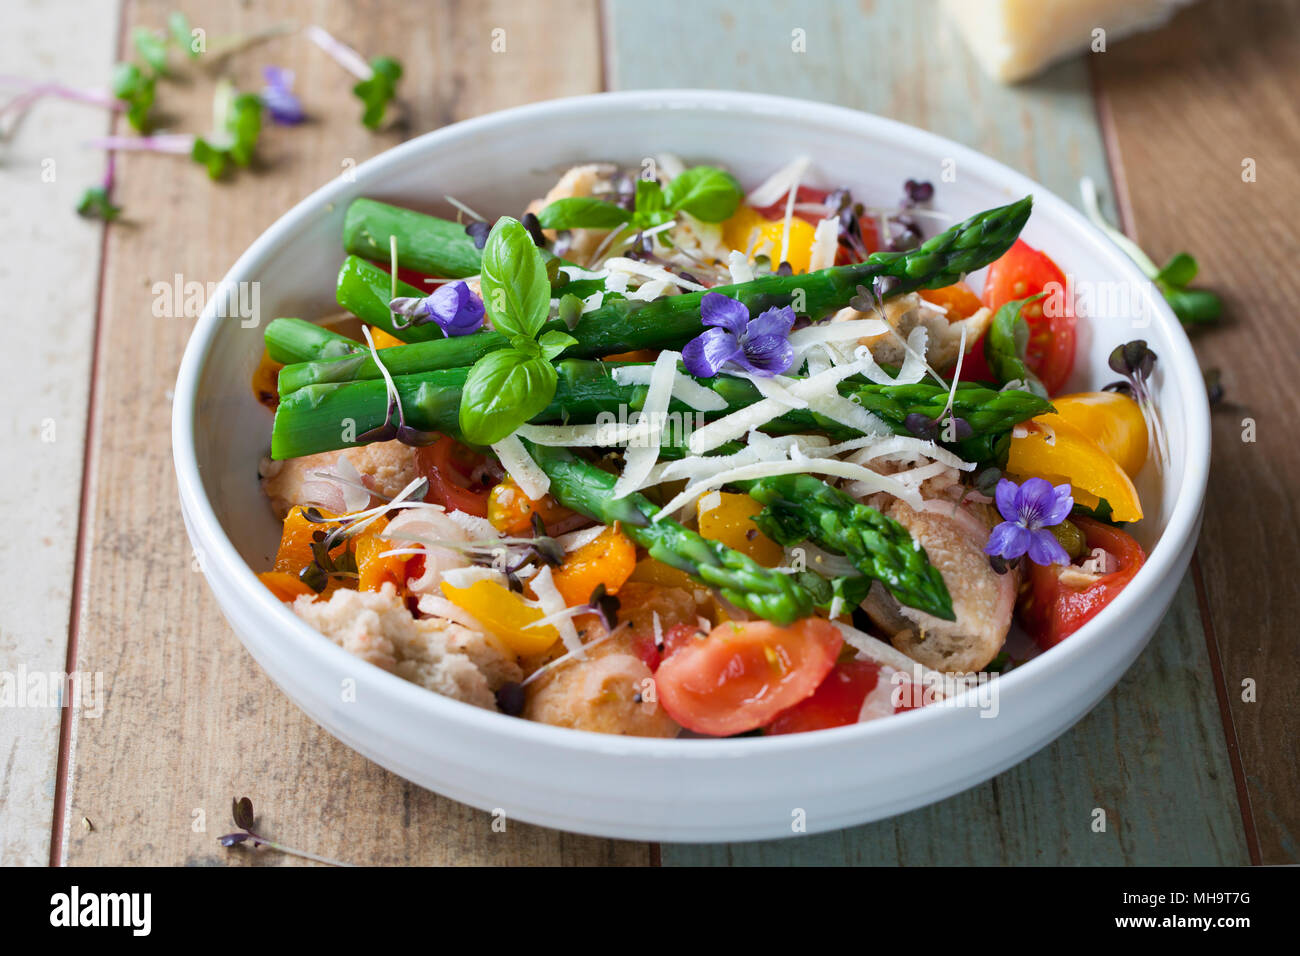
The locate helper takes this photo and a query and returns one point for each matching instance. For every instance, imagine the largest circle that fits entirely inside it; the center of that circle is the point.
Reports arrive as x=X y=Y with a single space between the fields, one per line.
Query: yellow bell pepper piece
x=729 y=518
x=1113 y=420
x=505 y=614
x=748 y=232
x=1058 y=451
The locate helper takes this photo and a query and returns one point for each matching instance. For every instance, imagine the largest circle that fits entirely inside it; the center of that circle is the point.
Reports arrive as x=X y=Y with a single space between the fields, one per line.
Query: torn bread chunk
x=436 y=654
x=953 y=537
x=384 y=467
x=907 y=312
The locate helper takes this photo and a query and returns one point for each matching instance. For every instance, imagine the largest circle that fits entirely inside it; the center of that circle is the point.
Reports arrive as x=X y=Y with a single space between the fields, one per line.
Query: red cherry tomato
x=678 y=636
x=1053 y=611
x=836 y=702
x=742 y=675
x=802 y=195
x=1024 y=271
x=448 y=465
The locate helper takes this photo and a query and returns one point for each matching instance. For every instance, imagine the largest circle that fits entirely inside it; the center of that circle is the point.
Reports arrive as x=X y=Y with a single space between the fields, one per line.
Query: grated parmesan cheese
x=826 y=243
x=520 y=466
x=641 y=458
x=552 y=603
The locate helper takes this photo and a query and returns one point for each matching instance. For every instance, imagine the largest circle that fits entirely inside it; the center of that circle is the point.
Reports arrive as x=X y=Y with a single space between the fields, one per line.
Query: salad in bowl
x=665 y=456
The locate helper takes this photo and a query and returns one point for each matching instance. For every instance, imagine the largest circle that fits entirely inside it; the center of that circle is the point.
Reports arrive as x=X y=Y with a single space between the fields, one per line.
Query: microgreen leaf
x=379 y=90
x=135 y=89
x=516 y=290
x=1005 y=345
x=706 y=192
x=178 y=24
x=152 y=47
x=239 y=125
x=504 y=390
x=95 y=204
x=582 y=212
x=1179 y=270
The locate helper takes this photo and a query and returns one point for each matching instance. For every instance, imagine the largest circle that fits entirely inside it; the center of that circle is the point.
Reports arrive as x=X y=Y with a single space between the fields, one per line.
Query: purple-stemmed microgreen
x=236 y=126
x=453 y=307
x=282 y=105
x=1030 y=511
x=759 y=346
x=377 y=86
x=1136 y=362
x=97 y=201
x=242 y=811
x=388 y=431
x=32 y=92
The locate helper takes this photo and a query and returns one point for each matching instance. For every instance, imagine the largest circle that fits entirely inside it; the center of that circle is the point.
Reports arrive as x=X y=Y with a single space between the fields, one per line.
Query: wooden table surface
x=1193 y=756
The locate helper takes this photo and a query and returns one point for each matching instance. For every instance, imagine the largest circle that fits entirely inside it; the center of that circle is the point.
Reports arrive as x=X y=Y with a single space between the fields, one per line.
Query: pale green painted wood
x=1152 y=754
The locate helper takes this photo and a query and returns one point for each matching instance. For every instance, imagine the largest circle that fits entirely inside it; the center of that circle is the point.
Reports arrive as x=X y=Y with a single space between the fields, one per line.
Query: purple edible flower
x=760 y=345
x=1030 y=510
x=278 y=97
x=455 y=309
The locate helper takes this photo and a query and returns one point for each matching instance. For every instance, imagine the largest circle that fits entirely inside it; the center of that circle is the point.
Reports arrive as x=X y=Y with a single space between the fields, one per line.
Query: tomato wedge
x=1024 y=271
x=743 y=675
x=837 y=702
x=1053 y=610
x=449 y=466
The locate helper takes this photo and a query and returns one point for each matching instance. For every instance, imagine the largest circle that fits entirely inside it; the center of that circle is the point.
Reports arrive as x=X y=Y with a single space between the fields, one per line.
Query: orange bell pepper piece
x=749 y=232
x=285 y=586
x=609 y=559
x=958 y=299
x=384 y=340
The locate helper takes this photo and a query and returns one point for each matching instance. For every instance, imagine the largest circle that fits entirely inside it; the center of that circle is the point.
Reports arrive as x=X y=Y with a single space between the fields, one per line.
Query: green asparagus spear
x=427 y=244
x=582 y=487
x=801 y=508
x=626 y=325
x=313 y=421
x=295 y=340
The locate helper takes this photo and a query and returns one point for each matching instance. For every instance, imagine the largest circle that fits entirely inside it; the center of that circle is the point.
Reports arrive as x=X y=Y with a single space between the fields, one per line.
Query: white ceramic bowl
x=683 y=790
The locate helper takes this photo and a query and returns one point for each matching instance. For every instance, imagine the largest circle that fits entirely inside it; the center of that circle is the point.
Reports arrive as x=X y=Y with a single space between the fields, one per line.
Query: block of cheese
x=1014 y=39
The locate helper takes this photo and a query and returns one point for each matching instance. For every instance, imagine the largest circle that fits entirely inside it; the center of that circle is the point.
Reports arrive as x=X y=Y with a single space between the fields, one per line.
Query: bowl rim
x=219 y=552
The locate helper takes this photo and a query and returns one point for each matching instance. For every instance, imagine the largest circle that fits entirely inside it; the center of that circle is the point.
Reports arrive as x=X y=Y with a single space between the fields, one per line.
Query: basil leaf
x=1005 y=343
x=516 y=291
x=649 y=198
x=554 y=342
x=582 y=212
x=504 y=390
x=706 y=192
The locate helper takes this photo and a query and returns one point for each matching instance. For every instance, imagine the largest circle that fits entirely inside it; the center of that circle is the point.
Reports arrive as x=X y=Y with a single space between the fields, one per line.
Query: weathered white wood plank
x=49 y=270
x=1152 y=754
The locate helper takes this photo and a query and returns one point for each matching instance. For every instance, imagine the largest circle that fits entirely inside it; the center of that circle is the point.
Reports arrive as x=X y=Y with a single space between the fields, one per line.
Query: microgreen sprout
x=242 y=811
x=1136 y=362
x=236 y=126
x=1192 y=306
x=388 y=431
x=377 y=86
x=96 y=202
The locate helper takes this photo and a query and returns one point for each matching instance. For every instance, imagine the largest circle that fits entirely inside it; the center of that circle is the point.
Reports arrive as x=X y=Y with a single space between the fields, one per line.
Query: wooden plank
x=50 y=274
x=899 y=61
x=1189 y=106
x=190 y=721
